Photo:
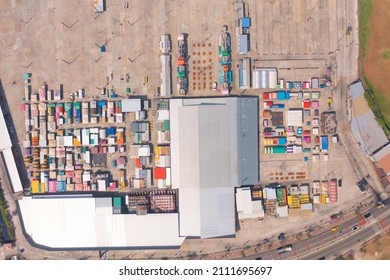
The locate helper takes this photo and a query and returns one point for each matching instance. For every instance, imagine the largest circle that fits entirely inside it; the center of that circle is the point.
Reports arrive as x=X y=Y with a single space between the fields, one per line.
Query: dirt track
x=376 y=68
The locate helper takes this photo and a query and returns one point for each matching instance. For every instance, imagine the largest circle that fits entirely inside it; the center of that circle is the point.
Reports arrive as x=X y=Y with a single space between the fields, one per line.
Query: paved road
x=331 y=242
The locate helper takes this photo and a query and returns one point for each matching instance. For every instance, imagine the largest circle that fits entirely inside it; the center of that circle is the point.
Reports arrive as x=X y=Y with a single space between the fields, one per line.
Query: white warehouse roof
x=12 y=169
x=87 y=222
x=213 y=149
x=131 y=105
x=294 y=117
x=265 y=78
x=5 y=140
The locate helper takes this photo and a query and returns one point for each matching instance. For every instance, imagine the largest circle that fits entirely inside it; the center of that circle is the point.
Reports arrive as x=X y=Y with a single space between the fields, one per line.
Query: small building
x=99 y=6
x=264 y=78
x=246 y=206
x=294 y=117
x=243 y=44
x=131 y=105
x=277 y=118
x=244 y=73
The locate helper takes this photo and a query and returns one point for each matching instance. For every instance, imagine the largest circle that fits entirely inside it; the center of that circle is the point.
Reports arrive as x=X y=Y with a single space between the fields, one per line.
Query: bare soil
x=377 y=249
x=376 y=66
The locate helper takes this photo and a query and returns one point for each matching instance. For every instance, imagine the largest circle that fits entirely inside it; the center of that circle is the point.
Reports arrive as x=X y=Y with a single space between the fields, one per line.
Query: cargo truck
x=182 y=79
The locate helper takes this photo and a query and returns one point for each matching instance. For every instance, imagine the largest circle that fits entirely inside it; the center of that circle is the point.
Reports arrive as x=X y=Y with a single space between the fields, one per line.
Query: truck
x=225 y=73
x=182 y=73
x=165 y=44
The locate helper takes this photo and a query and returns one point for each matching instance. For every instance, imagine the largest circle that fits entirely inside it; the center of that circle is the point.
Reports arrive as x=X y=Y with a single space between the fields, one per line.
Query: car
x=266 y=241
x=322 y=258
x=335 y=228
x=355 y=227
x=340 y=182
x=259 y=258
x=265 y=122
x=215 y=85
x=299 y=130
x=379 y=205
x=367 y=215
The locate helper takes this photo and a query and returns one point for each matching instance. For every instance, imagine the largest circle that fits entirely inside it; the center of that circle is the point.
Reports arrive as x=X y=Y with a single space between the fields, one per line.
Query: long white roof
x=5 y=140
x=14 y=177
x=88 y=222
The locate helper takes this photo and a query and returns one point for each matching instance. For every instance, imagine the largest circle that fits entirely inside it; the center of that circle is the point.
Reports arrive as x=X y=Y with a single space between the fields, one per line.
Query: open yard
x=376 y=62
x=377 y=249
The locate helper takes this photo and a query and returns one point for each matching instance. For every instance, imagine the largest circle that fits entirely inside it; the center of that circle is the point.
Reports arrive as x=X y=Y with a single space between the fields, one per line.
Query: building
x=87 y=222
x=382 y=158
x=246 y=206
x=166 y=82
x=244 y=73
x=367 y=132
x=131 y=105
x=265 y=78
x=214 y=148
x=294 y=117
x=8 y=156
x=99 y=6
x=243 y=44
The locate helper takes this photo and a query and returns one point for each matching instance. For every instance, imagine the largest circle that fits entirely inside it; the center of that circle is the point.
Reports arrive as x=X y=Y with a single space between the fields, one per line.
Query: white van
x=284 y=249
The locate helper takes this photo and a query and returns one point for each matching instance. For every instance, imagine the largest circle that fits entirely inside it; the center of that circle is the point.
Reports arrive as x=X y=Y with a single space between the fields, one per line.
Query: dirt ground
x=375 y=249
x=376 y=66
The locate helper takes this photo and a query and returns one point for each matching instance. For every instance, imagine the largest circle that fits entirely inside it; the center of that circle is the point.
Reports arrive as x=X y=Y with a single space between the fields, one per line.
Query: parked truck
x=182 y=79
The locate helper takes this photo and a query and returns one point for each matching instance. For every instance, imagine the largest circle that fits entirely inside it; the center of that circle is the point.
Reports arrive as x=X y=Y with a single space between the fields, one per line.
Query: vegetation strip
x=7 y=220
x=372 y=96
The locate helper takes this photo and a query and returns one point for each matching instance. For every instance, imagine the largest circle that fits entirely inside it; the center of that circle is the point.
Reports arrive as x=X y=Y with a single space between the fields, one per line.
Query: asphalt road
x=330 y=243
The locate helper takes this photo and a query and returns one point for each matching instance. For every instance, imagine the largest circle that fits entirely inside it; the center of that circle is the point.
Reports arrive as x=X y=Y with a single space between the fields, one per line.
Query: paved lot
x=59 y=43
x=299 y=27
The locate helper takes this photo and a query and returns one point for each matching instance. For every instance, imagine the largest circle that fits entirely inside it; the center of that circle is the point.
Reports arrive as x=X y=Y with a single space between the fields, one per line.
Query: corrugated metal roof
x=366 y=130
x=244 y=44
x=214 y=148
x=356 y=89
x=131 y=105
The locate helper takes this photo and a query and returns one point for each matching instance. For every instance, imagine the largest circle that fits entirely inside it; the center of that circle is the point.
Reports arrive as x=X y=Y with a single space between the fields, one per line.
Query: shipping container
x=324 y=143
x=333 y=190
x=275 y=149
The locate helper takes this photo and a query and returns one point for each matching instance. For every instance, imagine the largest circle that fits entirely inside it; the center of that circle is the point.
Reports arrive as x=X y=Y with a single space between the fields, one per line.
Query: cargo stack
x=102 y=110
x=111 y=111
x=85 y=112
x=77 y=112
x=68 y=115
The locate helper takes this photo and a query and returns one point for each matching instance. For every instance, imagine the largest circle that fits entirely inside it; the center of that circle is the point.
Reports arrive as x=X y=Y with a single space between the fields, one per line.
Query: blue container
x=281 y=95
x=324 y=142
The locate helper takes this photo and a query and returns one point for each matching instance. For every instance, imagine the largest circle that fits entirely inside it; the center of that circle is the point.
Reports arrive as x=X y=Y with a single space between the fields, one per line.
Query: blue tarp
x=324 y=143
x=111 y=131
